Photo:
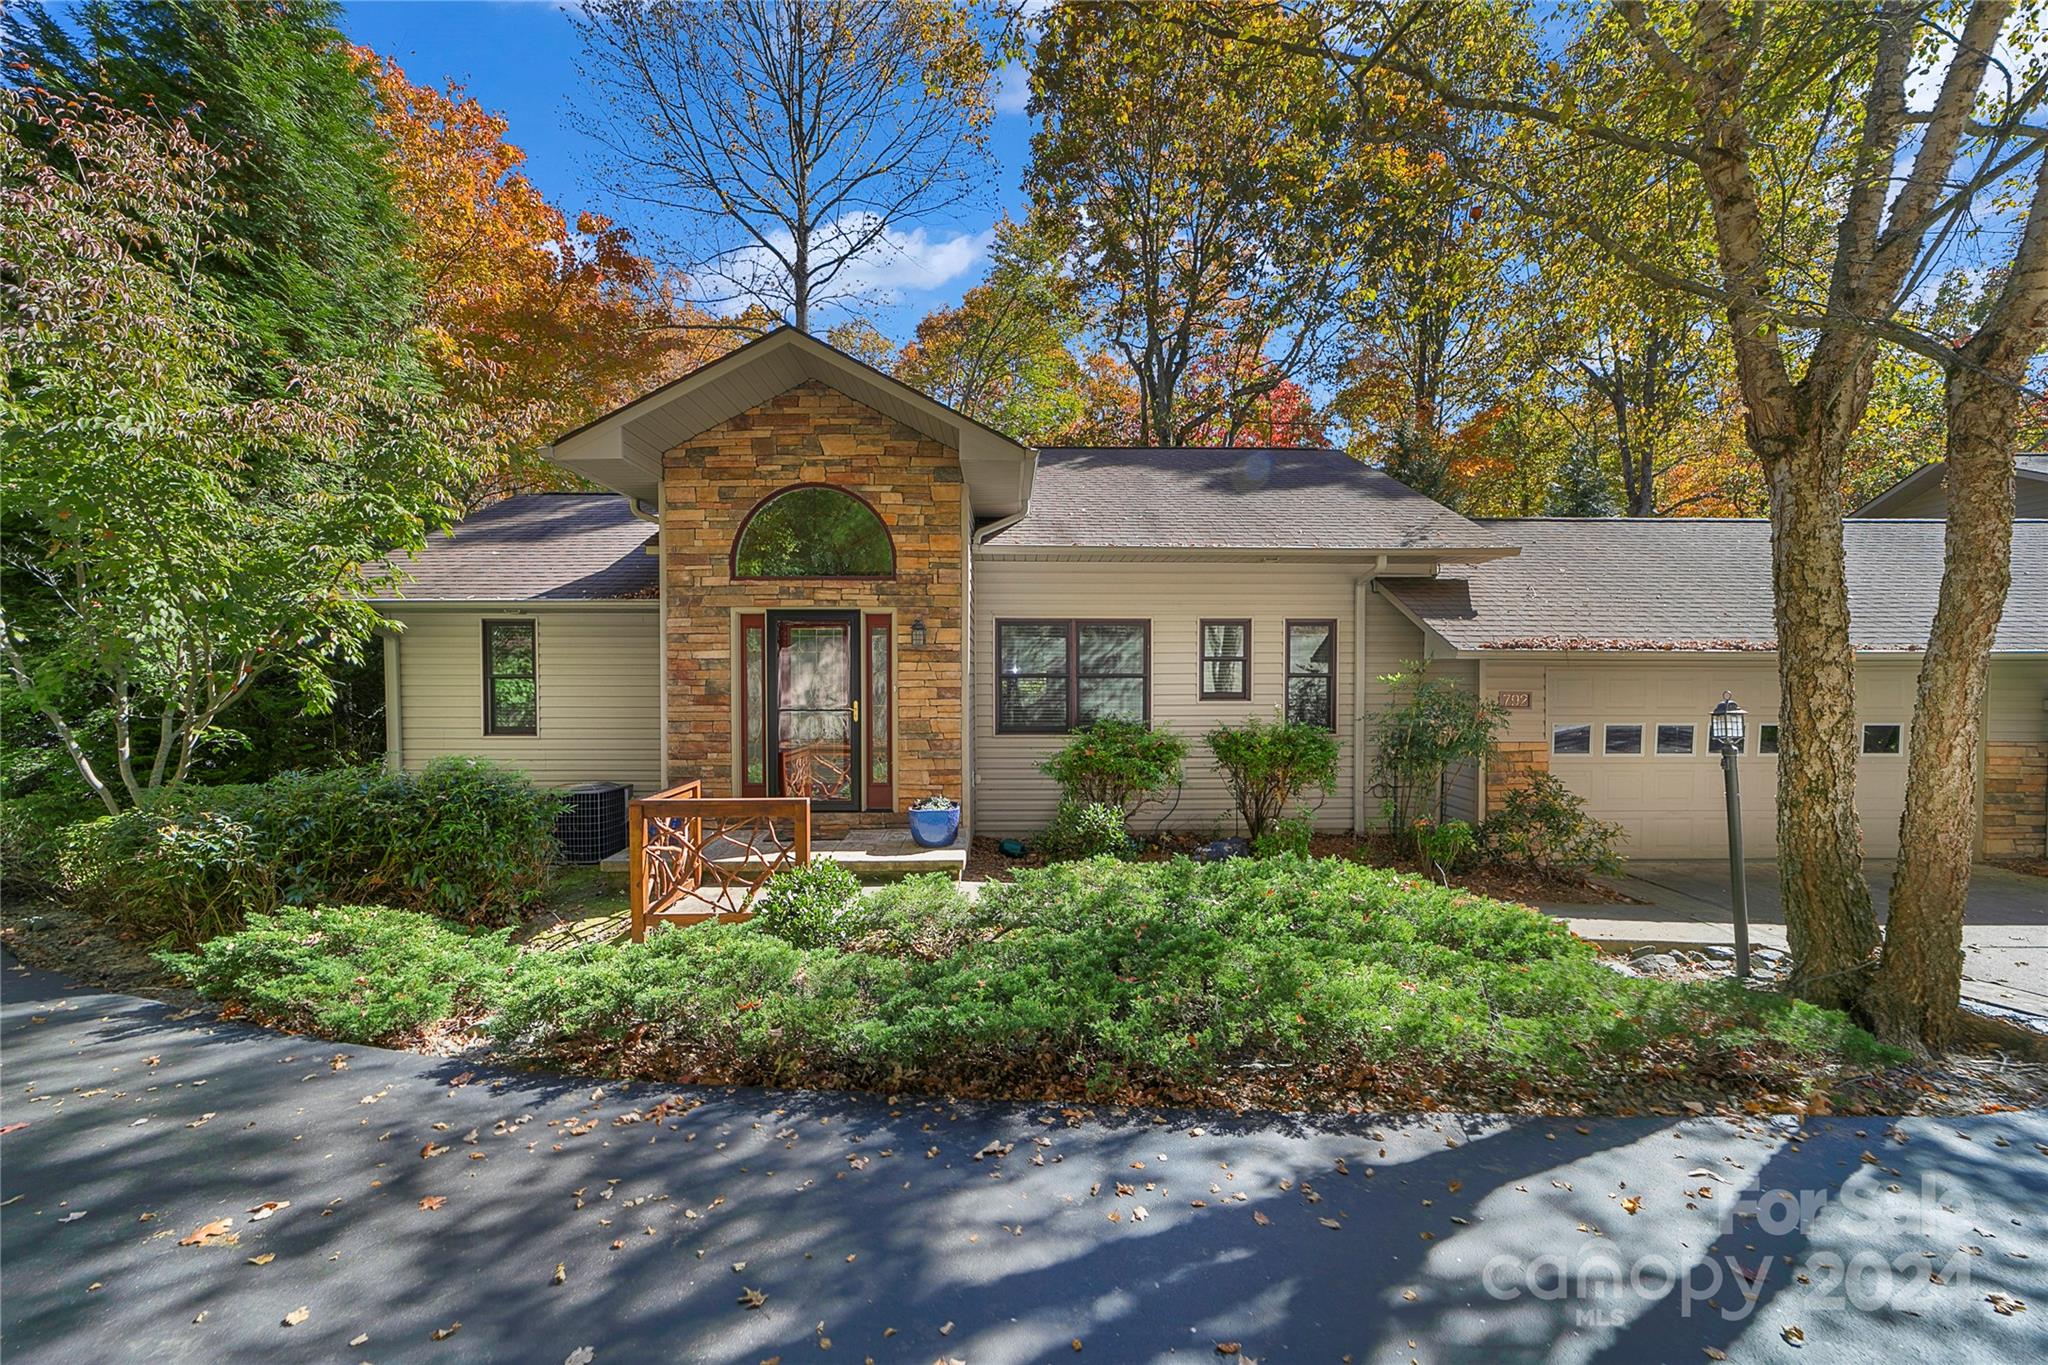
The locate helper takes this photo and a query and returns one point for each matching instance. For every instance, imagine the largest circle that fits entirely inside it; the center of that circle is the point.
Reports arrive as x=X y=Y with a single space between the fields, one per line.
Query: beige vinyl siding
x=598 y=673
x=2030 y=500
x=1011 y=797
x=1461 y=785
x=2013 y=701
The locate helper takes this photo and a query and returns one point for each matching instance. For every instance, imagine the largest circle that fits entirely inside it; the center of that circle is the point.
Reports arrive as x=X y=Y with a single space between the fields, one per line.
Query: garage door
x=1631 y=738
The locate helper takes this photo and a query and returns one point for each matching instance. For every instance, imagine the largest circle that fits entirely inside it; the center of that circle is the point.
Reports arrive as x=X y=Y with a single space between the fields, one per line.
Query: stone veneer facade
x=814 y=434
x=2015 y=800
x=1513 y=764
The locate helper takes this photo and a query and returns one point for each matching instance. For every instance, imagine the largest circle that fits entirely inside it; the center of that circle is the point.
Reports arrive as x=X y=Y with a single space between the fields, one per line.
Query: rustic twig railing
x=695 y=858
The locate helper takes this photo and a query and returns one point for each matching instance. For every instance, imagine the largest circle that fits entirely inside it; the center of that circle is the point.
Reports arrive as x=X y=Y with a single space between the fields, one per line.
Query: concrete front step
x=868 y=853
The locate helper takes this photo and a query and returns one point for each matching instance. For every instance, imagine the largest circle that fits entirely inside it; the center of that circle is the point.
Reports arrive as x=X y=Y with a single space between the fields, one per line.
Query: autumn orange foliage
x=531 y=326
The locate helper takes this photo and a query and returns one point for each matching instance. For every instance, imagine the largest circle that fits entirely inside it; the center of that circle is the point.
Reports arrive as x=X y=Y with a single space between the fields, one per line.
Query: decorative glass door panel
x=816 y=720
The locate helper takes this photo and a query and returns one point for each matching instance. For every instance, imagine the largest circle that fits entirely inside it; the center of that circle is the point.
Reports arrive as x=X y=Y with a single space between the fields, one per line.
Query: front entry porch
x=690 y=858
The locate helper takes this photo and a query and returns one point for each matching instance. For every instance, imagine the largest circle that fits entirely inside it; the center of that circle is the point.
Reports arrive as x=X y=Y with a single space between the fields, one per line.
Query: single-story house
x=811 y=580
x=1923 y=493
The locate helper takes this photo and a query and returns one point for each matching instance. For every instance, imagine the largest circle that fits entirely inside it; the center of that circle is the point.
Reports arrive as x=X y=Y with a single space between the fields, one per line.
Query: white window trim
x=1645 y=737
x=1590 y=726
x=1656 y=749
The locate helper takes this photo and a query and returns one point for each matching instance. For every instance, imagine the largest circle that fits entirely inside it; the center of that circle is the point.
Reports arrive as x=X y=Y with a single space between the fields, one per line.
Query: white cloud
x=898 y=263
x=1013 y=89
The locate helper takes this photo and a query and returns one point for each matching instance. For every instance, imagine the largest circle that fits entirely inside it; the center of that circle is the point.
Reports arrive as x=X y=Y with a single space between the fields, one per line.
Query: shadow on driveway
x=870 y=1223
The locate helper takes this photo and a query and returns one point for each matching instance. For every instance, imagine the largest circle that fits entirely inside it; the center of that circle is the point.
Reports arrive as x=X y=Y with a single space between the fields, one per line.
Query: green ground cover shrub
x=1285 y=980
x=1544 y=826
x=360 y=974
x=462 y=838
x=1080 y=829
x=1098 y=975
x=816 y=905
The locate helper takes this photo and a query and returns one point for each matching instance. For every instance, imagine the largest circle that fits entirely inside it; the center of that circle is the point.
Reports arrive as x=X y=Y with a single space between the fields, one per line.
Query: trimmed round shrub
x=462 y=838
x=816 y=905
x=1084 y=829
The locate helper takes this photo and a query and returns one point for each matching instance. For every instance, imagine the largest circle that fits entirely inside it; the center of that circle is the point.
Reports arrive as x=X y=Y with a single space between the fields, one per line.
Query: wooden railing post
x=803 y=832
x=636 y=868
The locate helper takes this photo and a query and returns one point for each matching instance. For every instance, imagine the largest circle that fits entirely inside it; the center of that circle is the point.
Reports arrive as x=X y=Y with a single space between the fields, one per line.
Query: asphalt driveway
x=2005 y=932
x=559 y=1220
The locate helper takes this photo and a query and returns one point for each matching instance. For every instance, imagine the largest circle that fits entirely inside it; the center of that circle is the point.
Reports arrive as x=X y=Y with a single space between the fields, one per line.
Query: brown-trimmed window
x=881 y=782
x=1312 y=673
x=753 y=704
x=1226 y=660
x=1055 y=676
x=511 y=680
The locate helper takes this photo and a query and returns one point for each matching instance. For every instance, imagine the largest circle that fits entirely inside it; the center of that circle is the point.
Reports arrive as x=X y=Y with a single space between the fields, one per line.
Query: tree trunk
x=1828 y=916
x=1914 y=996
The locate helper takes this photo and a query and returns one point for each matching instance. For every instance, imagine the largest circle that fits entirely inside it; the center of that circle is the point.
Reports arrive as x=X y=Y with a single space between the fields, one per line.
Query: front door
x=814 y=707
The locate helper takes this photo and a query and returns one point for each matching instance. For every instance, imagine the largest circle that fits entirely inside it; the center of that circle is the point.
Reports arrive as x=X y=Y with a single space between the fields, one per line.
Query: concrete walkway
x=2005 y=934
x=380 y=1206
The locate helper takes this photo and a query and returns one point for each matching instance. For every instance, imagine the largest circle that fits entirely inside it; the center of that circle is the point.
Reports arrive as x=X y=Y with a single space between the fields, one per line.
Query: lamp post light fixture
x=1725 y=730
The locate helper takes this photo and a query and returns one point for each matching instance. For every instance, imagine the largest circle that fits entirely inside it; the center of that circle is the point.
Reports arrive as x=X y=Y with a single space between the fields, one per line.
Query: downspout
x=1360 y=674
x=394 y=716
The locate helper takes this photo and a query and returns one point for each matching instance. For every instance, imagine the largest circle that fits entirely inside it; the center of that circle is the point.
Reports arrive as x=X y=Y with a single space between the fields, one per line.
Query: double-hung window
x=1226 y=660
x=1055 y=676
x=1312 y=673
x=511 y=683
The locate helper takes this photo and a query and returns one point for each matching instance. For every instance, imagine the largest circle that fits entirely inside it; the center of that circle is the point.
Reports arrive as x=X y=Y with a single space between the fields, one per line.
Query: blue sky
x=518 y=58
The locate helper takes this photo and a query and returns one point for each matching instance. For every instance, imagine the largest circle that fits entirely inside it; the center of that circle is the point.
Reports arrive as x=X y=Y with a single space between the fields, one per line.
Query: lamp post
x=1725 y=730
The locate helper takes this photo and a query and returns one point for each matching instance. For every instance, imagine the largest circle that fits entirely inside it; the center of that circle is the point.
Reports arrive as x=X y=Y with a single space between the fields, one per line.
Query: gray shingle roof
x=1675 y=584
x=1230 y=499
x=538 y=547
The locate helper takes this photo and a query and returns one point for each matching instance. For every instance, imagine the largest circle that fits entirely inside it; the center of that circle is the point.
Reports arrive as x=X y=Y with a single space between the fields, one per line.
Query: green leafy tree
x=302 y=184
x=1582 y=488
x=169 y=537
x=1433 y=727
x=1209 y=192
x=1003 y=354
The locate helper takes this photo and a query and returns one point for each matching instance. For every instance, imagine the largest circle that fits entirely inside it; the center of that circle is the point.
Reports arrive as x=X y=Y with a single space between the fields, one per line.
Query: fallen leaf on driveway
x=443 y=1333
x=74 y=1217
x=1228 y=1348
x=1632 y=1204
x=561 y=1272
x=208 y=1234
x=265 y=1259
x=297 y=1316
x=1331 y=1223
x=582 y=1355
x=433 y=1201
x=752 y=1298
x=1261 y=1219
x=359 y=1339
x=432 y=1149
x=266 y=1208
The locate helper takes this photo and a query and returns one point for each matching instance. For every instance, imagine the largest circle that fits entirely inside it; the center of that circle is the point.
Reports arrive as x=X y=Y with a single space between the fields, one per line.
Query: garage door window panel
x=1884 y=741
x=1676 y=741
x=1621 y=741
x=1570 y=741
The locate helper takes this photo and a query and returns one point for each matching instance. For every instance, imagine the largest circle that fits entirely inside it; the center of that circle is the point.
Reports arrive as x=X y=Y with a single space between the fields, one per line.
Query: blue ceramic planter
x=934 y=828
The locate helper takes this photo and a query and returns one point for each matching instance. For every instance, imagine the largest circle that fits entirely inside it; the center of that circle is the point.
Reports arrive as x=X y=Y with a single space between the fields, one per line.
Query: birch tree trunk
x=1918 y=987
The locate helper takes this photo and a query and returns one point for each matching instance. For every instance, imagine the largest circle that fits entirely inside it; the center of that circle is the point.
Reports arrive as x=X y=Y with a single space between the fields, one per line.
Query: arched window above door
x=813 y=531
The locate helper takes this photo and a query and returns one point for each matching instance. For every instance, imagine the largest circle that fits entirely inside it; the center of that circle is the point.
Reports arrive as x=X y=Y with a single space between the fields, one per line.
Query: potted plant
x=934 y=821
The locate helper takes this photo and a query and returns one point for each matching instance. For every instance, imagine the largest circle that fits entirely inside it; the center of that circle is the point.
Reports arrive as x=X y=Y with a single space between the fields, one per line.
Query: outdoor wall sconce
x=917 y=634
